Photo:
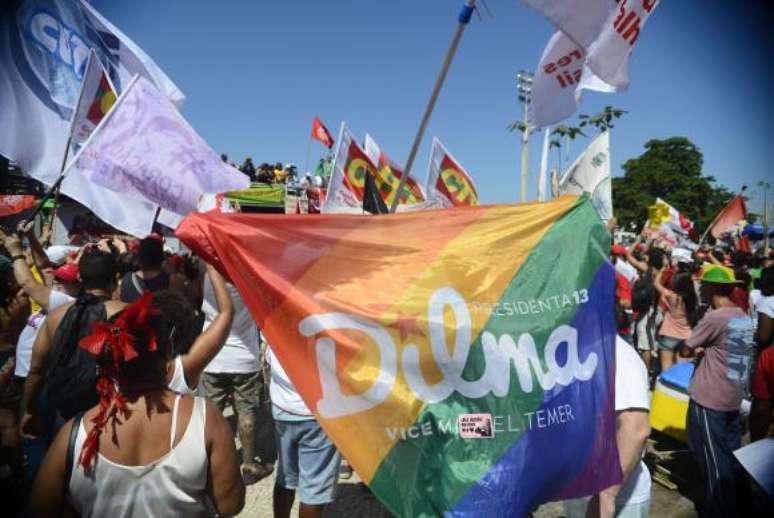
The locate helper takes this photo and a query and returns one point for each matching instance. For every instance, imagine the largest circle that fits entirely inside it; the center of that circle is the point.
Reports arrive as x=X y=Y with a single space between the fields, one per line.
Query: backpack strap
x=71 y=447
x=138 y=283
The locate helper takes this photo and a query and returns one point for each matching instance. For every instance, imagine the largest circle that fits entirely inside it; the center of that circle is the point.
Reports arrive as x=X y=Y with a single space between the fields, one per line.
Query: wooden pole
x=463 y=19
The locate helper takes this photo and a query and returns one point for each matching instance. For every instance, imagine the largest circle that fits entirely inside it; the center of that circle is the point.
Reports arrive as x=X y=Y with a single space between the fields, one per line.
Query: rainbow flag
x=461 y=360
x=96 y=98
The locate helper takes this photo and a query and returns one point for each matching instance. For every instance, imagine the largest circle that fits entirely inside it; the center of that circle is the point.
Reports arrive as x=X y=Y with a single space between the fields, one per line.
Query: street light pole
x=524 y=80
x=765 y=186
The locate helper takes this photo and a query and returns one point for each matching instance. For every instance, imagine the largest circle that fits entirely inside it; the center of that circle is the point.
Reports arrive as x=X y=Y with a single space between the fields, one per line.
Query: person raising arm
x=190 y=359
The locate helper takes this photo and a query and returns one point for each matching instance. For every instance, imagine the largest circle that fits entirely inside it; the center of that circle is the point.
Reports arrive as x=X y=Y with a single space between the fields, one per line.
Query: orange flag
x=733 y=213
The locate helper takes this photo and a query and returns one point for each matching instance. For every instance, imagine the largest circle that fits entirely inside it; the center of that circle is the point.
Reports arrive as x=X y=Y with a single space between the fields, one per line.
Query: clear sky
x=255 y=73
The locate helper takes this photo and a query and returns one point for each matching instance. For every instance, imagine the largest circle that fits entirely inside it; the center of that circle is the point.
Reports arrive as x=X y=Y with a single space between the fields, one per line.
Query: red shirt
x=763 y=379
x=623 y=292
x=741 y=298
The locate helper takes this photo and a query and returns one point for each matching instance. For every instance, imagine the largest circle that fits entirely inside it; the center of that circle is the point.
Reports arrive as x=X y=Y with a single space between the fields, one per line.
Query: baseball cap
x=67 y=273
x=715 y=274
x=57 y=254
x=617 y=250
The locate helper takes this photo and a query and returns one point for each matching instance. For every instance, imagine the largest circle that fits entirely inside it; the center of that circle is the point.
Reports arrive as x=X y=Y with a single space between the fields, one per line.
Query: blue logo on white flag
x=52 y=46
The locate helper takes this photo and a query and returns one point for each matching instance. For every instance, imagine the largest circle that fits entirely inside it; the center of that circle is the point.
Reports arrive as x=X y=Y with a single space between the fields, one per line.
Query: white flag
x=560 y=79
x=554 y=183
x=346 y=186
x=591 y=173
x=544 y=165
x=581 y=20
x=44 y=48
x=448 y=184
x=605 y=29
x=145 y=148
x=609 y=54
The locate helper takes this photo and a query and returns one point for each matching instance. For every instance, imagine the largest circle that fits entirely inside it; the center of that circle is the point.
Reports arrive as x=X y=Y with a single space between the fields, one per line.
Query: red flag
x=321 y=133
x=733 y=213
x=15 y=203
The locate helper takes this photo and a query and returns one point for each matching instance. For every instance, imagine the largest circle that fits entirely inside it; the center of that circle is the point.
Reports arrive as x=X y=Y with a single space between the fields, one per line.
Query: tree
x=670 y=169
x=603 y=121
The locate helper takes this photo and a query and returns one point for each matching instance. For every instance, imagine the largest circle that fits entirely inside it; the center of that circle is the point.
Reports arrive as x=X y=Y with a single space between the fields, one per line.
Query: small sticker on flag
x=475 y=426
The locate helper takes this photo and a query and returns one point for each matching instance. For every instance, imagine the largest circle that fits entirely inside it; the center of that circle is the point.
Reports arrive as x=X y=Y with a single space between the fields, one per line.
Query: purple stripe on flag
x=577 y=458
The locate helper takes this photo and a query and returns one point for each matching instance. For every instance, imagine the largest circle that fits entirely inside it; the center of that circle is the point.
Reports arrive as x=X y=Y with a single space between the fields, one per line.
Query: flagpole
x=766 y=240
x=463 y=19
x=308 y=154
x=69 y=140
x=54 y=191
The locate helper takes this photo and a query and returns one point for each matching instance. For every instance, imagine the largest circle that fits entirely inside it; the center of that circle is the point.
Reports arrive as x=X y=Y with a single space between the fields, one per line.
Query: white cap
x=58 y=253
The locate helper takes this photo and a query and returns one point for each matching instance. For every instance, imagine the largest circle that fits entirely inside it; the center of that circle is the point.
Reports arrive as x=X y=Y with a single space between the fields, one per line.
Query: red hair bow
x=119 y=336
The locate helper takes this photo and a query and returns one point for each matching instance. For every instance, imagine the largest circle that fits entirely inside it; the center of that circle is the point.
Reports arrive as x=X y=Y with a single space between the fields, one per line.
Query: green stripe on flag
x=443 y=466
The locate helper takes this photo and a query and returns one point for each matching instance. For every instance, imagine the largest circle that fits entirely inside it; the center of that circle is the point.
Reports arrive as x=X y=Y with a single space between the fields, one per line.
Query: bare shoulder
x=53 y=318
x=114 y=306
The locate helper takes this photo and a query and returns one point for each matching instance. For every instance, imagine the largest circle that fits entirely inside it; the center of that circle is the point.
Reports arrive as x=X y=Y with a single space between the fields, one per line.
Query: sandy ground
x=355 y=501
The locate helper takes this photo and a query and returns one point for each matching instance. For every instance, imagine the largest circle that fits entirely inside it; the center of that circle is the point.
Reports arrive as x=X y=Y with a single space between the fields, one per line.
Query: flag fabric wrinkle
x=146 y=149
x=362 y=324
x=40 y=83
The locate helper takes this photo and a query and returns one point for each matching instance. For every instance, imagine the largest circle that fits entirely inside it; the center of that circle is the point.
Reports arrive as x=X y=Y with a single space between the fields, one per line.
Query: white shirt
x=761 y=304
x=173 y=485
x=30 y=332
x=625 y=269
x=179 y=384
x=282 y=391
x=240 y=353
x=631 y=391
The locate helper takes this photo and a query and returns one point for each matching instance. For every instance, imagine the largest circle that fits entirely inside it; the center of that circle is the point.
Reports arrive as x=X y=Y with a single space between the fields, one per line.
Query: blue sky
x=256 y=72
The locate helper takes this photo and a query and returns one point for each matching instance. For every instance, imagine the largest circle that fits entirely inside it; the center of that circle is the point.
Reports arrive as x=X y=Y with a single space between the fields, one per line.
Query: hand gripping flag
x=146 y=149
x=461 y=360
x=388 y=175
x=321 y=133
x=447 y=182
x=346 y=188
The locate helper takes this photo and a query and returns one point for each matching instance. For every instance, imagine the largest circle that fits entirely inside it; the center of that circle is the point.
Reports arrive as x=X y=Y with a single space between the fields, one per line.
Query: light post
x=765 y=186
x=524 y=81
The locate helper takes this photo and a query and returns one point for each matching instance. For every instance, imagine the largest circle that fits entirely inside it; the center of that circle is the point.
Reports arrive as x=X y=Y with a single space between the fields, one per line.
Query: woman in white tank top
x=161 y=453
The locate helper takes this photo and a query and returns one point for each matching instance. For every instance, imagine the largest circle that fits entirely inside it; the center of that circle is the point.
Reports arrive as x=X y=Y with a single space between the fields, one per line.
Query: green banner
x=259 y=194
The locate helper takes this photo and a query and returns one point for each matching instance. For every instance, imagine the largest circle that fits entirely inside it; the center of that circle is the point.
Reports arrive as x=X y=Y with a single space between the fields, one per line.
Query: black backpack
x=72 y=371
x=643 y=293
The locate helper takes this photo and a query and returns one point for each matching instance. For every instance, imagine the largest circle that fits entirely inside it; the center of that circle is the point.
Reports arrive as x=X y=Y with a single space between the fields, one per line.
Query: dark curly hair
x=180 y=319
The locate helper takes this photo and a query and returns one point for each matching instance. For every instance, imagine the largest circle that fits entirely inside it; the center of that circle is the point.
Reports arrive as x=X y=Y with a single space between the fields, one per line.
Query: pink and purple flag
x=146 y=149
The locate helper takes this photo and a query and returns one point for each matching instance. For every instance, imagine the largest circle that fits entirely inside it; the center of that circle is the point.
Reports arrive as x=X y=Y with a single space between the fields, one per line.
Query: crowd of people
x=265 y=173
x=119 y=358
x=712 y=306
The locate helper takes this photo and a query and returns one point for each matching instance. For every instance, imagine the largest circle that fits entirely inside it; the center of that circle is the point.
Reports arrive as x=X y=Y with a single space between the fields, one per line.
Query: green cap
x=715 y=274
